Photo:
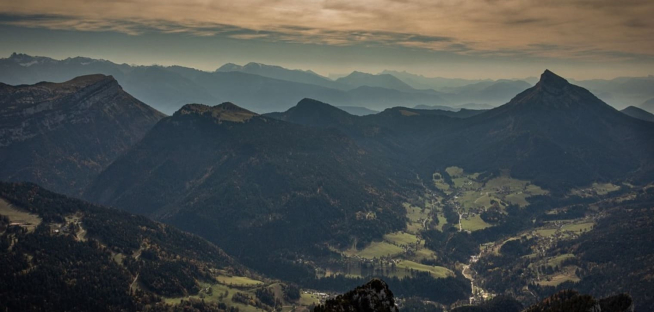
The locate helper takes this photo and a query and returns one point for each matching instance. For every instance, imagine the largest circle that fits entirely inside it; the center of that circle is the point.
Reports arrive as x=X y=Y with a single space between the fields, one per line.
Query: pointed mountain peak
x=223 y=112
x=550 y=81
x=553 y=92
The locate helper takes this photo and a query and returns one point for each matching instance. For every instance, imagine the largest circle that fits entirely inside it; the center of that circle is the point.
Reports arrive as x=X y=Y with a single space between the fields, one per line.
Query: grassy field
x=376 y=250
x=474 y=199
x=473 y=223
x=436 y=271
x=425 y=253
x=556 y=261
x=237 y=280
x=578 y=227
x=17 y=215
x=414 y=215
x=596 y=189
x=476 y=194
x=440 y=183
x=441 y=221
x=546 y=232
x=218 y=290
x=566 y=274
x=401 y=238
x=454 y=171
x=570 y=227
x=308 y=299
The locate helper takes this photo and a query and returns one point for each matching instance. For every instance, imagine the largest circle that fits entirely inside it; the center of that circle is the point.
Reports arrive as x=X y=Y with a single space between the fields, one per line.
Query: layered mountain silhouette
x=358 y=79
x=648 y=105
x=487 y=92
x=554 y=133
x=278 y=72
x=60 y=135
x=623 y=91
x=436 y=83
x=358 y=111
x=225 y=172
x=638 y=113
x=258 y=87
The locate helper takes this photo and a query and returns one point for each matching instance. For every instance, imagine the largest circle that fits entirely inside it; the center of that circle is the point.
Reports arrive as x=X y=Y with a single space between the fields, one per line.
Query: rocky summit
x=373 y=296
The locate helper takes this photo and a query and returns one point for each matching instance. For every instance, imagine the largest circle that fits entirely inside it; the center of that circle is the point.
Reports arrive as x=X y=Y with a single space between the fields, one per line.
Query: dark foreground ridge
x=373 y=296
x=376 y=296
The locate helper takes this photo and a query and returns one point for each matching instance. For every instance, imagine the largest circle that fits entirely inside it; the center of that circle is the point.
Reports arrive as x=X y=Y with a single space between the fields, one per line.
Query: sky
x=580 y=39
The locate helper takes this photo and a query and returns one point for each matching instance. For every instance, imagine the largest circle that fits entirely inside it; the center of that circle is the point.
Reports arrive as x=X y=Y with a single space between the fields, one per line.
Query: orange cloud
x=548 y=28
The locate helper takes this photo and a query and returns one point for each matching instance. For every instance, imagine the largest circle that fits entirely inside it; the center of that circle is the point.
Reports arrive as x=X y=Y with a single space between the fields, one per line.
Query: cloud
x=602 y=29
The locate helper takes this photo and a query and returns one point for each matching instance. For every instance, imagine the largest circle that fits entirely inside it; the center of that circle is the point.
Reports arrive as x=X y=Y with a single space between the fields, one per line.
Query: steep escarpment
x=60 y=135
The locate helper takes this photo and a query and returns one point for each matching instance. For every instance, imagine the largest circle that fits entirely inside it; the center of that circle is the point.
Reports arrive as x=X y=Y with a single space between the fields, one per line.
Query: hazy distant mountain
x=496 y=92
x=638 y=113
x=278 y=72
x=648 y=105
x=60 y=135
x=381 y=98
x=155 y=85
x=555 y=134
x=358 y=111
x=24 y=69
x=459 y=91
x=263 y=94
x=272 y=88
x=436 y=83
x=226 y=173
x=80 y=256
x=441 y=107
x=358 y=79
x=475 y=106
x=622 y=92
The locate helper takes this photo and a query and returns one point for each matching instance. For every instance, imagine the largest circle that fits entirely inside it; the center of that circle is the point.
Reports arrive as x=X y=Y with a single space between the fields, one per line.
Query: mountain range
x=222 y=169
x=258 y=87
x=554 y=122
x=283 y=192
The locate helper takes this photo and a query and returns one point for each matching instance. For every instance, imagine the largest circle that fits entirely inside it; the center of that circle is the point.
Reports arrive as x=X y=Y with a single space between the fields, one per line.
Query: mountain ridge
x=61 y=134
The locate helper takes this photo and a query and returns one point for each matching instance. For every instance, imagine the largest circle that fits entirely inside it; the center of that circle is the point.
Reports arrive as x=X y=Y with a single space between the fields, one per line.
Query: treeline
x=60 y=274
x=56 y=271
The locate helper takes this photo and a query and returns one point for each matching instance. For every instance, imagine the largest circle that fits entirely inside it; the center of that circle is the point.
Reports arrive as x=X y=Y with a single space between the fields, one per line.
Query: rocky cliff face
x=60 y=135
x=373 y=296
